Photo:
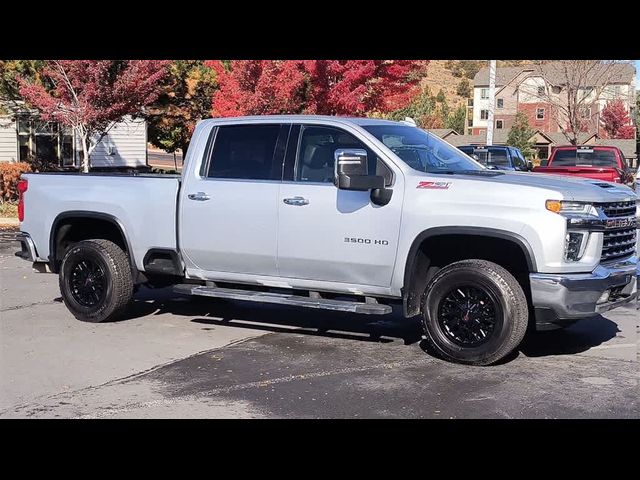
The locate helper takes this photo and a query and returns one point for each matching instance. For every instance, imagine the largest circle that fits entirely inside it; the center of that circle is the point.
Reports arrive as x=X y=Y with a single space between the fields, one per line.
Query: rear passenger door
x=332 y=235
x=228 y=216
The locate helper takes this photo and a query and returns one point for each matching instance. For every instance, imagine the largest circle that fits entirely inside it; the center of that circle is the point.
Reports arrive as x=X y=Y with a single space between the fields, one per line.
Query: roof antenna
x=409 y=121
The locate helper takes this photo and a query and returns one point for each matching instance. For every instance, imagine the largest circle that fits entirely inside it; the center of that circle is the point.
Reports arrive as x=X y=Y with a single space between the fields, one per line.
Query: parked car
x=596 y=162
x=498 y=157
x=341 y=214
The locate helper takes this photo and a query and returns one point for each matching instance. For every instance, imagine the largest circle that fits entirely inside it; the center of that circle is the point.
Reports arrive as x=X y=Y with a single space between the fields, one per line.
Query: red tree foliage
x=616 y=121
x=91 y=95
x=330 y=87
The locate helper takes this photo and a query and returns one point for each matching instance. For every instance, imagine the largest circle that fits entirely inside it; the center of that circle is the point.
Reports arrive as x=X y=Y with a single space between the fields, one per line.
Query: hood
x=571 y=188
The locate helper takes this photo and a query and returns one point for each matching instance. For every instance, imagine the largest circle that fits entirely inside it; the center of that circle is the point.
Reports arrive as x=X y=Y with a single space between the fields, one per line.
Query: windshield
x=589 y=158
x=421 y=150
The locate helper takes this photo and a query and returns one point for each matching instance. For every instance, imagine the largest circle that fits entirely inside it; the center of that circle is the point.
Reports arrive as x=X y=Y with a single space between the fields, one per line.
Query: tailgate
x=595 y=173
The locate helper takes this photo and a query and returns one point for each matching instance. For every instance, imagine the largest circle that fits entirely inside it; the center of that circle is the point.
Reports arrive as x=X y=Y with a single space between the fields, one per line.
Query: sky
x=637 y=68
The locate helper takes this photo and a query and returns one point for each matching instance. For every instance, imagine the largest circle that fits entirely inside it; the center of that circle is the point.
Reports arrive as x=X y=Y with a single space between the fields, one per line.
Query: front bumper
x=561 y=299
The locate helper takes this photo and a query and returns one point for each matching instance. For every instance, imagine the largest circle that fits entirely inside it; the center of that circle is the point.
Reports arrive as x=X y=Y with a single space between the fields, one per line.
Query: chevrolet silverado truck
x=598 y=163
x=348 y=214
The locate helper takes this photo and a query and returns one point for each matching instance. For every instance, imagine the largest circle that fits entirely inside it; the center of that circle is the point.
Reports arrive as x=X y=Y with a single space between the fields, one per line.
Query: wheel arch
x=412 y=288
x=109 y=223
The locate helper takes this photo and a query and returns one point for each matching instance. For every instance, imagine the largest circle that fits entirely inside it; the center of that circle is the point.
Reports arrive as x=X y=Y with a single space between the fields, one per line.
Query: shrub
x=9 y=175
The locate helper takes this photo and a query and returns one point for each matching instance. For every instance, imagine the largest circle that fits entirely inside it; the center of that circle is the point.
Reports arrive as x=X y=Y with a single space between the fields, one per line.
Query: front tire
x=474 y=312
x=96 y=280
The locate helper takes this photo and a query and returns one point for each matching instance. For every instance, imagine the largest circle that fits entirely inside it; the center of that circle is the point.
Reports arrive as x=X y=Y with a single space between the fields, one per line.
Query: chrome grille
x=619 y=209
x=618 y=243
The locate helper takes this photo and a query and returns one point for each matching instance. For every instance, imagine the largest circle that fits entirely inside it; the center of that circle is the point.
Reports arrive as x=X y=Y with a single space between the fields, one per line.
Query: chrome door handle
x=298 y=201
x=200 y=196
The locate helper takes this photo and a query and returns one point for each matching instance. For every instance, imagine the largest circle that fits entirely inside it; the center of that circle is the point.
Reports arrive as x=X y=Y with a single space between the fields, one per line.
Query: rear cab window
x=584 y=157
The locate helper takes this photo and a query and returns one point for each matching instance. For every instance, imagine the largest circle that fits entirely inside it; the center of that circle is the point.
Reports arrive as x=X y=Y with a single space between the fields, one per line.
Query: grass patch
x=8 y=210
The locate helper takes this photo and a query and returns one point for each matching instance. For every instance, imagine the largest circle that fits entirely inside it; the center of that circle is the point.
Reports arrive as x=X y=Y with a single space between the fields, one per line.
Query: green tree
x=441 y=97
x=520 y=134
x=185 y=99
x=456 y=119
x=422 y=106
x=464 y=88
x=10 y=71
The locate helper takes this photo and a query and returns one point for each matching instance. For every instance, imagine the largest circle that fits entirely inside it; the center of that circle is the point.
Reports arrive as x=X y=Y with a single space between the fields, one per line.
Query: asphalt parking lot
x=175 y=357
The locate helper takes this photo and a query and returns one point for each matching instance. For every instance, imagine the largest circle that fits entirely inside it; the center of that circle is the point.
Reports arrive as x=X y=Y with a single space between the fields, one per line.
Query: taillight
x=22 y=187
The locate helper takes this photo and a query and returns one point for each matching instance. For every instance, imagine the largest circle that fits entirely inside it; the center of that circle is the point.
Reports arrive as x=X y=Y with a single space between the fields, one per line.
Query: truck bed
x=144 y=206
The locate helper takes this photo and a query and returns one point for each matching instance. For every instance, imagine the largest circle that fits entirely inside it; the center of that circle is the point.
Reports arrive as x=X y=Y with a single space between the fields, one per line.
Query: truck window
x=588 y=158
x=247 y=152
x=516 y=156
x=315 y=159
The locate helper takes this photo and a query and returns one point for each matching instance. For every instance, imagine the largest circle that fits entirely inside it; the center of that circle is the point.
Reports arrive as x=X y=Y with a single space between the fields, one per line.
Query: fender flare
x=95 y=216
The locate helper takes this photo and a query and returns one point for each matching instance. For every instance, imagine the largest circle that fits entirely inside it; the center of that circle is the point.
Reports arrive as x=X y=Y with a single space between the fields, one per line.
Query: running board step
x=284 y=299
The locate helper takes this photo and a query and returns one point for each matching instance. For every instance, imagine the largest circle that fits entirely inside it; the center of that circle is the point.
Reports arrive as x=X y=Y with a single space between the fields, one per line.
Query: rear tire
x=96 y=280
x=474 y=312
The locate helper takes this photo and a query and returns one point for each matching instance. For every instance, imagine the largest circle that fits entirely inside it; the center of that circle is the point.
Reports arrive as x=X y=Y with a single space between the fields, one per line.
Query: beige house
x=535 y=90
x=24 y=137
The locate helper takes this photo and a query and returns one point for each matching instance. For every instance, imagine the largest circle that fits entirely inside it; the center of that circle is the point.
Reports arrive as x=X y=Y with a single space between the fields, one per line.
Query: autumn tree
x=184 y=99
x=520 y=135
x=440 y=97
x=570 y=88
x=330 y=87
x=91 y=96
x=616 y=121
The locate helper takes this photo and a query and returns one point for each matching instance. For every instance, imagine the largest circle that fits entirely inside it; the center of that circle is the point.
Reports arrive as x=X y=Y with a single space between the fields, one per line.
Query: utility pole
x=492 y=100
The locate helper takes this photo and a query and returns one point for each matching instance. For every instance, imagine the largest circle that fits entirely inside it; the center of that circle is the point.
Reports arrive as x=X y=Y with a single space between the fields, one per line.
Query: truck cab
x=600 y=162
x=498 y=157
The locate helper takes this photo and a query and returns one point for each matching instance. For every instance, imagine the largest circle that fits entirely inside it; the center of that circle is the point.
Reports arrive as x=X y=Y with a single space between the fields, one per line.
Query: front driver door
x=334 y=235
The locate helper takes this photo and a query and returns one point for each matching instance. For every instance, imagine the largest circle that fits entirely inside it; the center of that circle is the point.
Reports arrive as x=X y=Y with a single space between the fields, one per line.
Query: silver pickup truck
x=347 y=214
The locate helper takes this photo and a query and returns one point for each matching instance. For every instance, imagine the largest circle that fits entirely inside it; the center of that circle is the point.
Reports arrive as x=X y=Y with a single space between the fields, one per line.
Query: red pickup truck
x=599 y=163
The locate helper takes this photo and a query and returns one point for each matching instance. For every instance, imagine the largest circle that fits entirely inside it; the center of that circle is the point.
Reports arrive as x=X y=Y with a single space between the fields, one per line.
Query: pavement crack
x=109 y=411
x=28 y=305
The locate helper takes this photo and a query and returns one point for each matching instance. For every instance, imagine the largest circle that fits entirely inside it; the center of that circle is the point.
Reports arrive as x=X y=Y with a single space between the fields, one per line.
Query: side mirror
x=351 y=171
x=544 y=163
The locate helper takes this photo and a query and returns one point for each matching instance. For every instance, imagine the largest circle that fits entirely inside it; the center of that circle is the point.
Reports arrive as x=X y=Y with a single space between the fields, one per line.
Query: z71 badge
x=434 y=185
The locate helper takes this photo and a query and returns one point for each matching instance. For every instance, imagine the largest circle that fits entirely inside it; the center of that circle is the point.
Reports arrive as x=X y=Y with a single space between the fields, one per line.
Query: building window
x=614 y=90
x=500 y=103
x=45 y=142
x=470 y=121
x=499 y=124
x=484 y=93
x=539 y=113
x=484 y=114
x=585 y=112
x=541 y=91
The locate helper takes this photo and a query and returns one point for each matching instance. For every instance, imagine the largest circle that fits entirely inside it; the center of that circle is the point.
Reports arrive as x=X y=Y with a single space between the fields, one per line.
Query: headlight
x=571 y=208
x=574 y=245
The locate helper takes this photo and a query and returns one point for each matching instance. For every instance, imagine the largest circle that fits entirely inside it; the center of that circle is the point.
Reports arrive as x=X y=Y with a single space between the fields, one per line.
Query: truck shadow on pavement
x=211 y=313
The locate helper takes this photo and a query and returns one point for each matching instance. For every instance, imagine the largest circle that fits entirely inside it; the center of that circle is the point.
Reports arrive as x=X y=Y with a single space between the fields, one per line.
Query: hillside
x=440 y=75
